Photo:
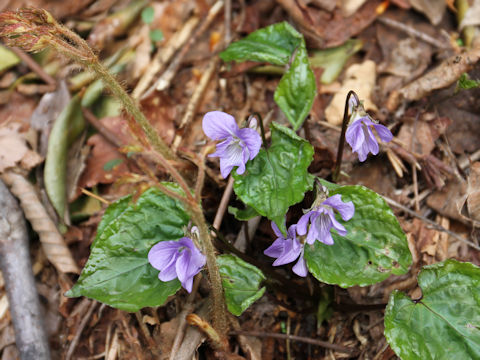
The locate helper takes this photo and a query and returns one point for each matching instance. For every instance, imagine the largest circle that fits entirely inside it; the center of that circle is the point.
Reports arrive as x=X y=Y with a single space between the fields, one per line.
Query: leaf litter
x=408 y=83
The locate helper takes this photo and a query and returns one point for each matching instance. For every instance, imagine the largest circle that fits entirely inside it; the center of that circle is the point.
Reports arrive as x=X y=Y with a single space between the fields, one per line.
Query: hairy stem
x=131 y=107
x=219 y=314
x=162 y=154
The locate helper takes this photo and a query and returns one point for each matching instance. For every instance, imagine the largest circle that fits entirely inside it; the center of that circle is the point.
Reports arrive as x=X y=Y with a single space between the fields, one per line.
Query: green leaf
x=374 y=248
x=332 y=60
x=465 y=83
x=243 y=215
x=110 y=165
x=241 y=283
x=274 y=44
x=117 y=272
x=148 y=14
x=69 y=124
x=156 y=35
x=297 y=89
x=278 y=177
x=7 y=58
x=445 y=323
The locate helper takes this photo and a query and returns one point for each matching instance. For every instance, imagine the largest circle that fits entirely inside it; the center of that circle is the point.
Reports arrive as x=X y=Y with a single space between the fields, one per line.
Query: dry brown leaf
x=102 y=152
x=442 y=76
x=472 y=16
x=449 y=200
x=14 y=149
x=359 y=78
x=433 y=9
x=417 y=137
x=408 y=59
x=473 y=192
x=349 y=7
x=324 y=29
x=143 y=48
x=52 y=241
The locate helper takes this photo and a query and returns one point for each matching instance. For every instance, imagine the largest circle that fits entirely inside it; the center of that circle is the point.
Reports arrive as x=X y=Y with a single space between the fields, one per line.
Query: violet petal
x=276 y=249
x=302 y=224
x=323 y=225
x=346 y=209
x=300 y=268
x=252 y=140
x=276 y=230
x=383 y=133
x=161 y=254
x=219 y=125
x=371 y=141
x=290 y=253
x=354 y=135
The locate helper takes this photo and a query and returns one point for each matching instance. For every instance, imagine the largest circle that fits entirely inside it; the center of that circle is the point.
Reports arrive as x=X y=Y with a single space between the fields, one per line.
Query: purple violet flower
x=239 y=145
x=177 y=259
x=287 y=250
x=360 y=136
x=322 y=219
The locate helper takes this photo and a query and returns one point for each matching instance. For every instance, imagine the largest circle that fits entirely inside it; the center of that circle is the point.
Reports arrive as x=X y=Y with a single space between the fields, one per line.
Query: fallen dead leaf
x=14 y=149
x=442 y=76
x=433 y=9
x=102 y=153
x=349 y=7
x=408 y=59
x=472 y=16
x=473 y=192
x=359 y=78
x=449 y=200
x=324 y=29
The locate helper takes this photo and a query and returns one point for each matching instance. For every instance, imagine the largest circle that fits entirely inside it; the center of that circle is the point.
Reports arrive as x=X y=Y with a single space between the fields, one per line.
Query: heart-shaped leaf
x=374 y=248
x=445 y=322
x=117 y=272
x=297 y=89
x=274 y=44
x=277 y=178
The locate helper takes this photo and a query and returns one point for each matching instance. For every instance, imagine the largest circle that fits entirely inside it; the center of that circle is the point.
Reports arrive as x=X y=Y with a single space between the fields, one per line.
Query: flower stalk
x=35 y=30
x=341 y=143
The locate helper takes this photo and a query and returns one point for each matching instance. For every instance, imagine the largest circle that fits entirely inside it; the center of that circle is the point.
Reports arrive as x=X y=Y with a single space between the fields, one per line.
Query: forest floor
x=406 y=62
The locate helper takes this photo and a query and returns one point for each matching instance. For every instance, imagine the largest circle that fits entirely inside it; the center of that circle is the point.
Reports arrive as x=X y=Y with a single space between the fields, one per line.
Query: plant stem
x=163 y=154
x=130 y=106
x=219 y=314
x=341 y=143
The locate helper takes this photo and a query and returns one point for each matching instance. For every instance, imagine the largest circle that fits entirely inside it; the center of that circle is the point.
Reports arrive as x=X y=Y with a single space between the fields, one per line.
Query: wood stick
x=16 y=267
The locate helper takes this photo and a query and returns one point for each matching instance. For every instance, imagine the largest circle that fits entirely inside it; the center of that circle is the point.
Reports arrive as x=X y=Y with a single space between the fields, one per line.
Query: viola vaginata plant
x=348 y=236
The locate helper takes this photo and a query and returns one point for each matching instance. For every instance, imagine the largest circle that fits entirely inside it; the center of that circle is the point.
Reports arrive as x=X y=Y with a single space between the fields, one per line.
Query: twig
x=321 y=343
x=413 y=32
x=33 y=65
x=182 y=324
x=195 y=100
x=97 y=124
x=434 y=225
x=52 y=241
x=228 y=22
x=200 y=177
x=144 y=329
x=16 y=267
x=193 y=336
x=222 y=207
x=164 y=54
x=414 y=169
x=164 y=81
x=81 y=327
x=95 y=196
